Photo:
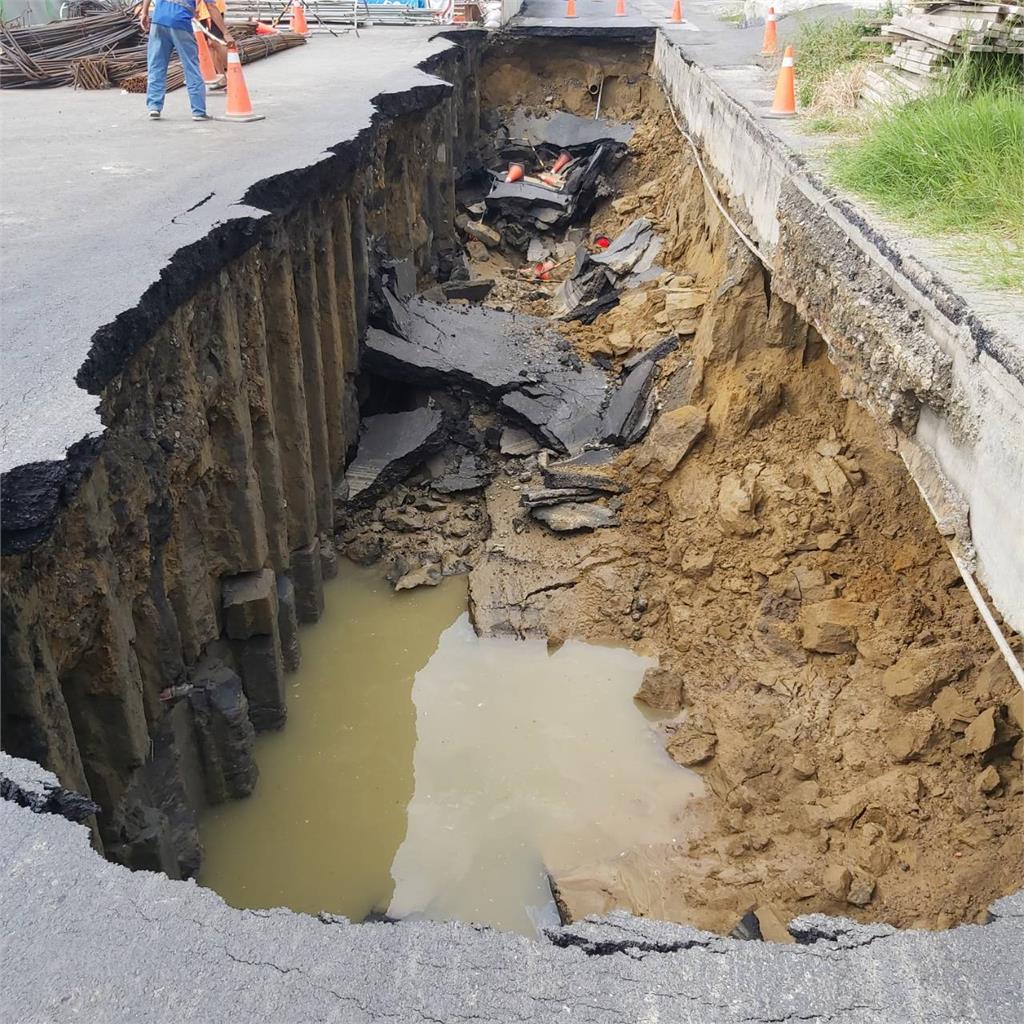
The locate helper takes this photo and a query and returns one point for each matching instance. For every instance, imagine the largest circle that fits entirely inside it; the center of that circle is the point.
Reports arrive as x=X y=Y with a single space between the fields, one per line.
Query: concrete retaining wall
x=908 y=347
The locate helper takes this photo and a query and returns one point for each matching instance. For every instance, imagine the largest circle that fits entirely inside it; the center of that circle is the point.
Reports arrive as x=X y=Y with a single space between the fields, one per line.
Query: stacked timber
x=927 y=38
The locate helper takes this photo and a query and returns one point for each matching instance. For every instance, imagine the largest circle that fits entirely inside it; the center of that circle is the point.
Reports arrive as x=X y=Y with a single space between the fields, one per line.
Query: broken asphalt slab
x=562 y=131
x=572 y=516
x=518 y=362
x=391 y=446
x=596 y=279
x=73 y=921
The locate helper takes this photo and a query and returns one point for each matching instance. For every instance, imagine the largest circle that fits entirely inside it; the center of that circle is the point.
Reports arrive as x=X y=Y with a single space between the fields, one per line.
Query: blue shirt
x=174 y=13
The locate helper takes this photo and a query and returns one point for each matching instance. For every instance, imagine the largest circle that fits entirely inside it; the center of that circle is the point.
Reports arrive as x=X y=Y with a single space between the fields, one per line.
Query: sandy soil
x=822 y=665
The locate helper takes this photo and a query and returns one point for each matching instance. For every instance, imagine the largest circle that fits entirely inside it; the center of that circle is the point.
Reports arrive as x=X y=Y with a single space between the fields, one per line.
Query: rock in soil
x=573 y=516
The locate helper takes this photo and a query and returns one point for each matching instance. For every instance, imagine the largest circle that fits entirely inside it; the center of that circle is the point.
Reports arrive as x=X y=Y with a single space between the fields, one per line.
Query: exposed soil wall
x=906 y=344
x=180 y=551
x=822 y=664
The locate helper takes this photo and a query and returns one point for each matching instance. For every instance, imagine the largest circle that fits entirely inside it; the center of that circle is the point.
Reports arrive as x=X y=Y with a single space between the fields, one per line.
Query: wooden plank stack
x=928 y=37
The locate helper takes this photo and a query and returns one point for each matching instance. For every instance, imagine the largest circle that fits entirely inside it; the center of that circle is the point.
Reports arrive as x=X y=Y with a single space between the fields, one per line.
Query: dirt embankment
x=822 y=665
x=842 y=699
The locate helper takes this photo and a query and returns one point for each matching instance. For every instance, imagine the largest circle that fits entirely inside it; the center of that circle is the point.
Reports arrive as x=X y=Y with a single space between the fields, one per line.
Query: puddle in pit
x=424 y=770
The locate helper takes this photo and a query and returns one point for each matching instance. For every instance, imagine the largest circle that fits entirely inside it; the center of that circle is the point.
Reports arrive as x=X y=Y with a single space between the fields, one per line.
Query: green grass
x=952 y=165
x=824 y=47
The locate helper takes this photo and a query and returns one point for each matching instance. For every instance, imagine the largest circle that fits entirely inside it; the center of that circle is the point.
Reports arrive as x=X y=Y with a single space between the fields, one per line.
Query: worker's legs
x=158 y=55
x=188 y=52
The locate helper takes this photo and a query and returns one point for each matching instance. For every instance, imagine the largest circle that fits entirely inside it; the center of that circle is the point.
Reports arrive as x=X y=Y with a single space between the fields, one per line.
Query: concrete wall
x=909 y=348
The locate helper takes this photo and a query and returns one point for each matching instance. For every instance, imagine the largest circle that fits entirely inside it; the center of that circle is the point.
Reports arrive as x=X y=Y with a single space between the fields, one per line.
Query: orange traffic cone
x=515 y=172
x=239 y=106
x=570 y=8
x=677 y=13
x=620 y=8
x=785 y=88
x=563 y=160
x=263 y=29
x=206 y=68
x=770 y=46
x=299 y=19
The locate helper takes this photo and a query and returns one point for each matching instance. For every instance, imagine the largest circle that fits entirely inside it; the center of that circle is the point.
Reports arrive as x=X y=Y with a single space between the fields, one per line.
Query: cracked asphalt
x=87 y=940
x=97 y=199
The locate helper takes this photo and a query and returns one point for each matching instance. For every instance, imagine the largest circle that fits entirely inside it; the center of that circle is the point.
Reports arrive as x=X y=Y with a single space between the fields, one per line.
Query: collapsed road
x=636 y=442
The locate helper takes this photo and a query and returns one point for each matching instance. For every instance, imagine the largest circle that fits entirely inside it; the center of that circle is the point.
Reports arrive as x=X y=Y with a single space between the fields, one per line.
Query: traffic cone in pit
x=206 y=68
x=563 y=159
x=785 y=89
x=677 y=13
x=298 y=20
x=570 y=8
x=263 y=29
x=620 y=8
x=239 y=106
x=770 y=46
x=515 y=172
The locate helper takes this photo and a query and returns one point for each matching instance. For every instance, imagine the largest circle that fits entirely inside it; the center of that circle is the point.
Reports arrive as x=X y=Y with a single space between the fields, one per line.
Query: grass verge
x=951 y=164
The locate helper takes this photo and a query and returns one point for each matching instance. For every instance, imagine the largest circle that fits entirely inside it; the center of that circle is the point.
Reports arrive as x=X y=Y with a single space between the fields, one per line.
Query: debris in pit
x=597 y=278
x=459 y=471
x=557 y=168
x=530 y=372
x=428 y=575
x=472 y=291
x=573 y=516
x=545 y=496
x=483 y=233
x=392 y=445
x=654 y=354
x=632 y=406
x=564 y=132
x=514 y=441
x=592 y=469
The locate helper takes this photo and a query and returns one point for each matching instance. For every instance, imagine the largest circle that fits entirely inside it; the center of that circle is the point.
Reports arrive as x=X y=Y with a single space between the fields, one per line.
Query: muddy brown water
x=425 y=771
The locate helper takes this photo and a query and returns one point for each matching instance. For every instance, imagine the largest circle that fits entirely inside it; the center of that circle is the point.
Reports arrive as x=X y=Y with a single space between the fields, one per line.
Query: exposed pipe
x=714 y=194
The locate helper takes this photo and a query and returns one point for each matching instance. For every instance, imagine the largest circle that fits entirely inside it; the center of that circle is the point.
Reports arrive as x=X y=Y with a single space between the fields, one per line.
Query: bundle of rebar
x=250 y=48
x=45 y=55
x=101 y=50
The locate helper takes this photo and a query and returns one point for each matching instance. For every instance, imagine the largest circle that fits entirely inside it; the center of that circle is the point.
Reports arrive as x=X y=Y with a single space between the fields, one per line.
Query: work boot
x=154 y=115
x=201 y=117
x=219 y=84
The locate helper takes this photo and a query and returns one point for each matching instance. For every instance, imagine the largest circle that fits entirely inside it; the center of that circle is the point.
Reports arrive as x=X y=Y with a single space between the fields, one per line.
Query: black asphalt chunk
x=392 y=445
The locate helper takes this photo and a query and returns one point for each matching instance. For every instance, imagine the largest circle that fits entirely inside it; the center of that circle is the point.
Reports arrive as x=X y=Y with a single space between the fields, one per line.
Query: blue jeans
x=162 y=40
